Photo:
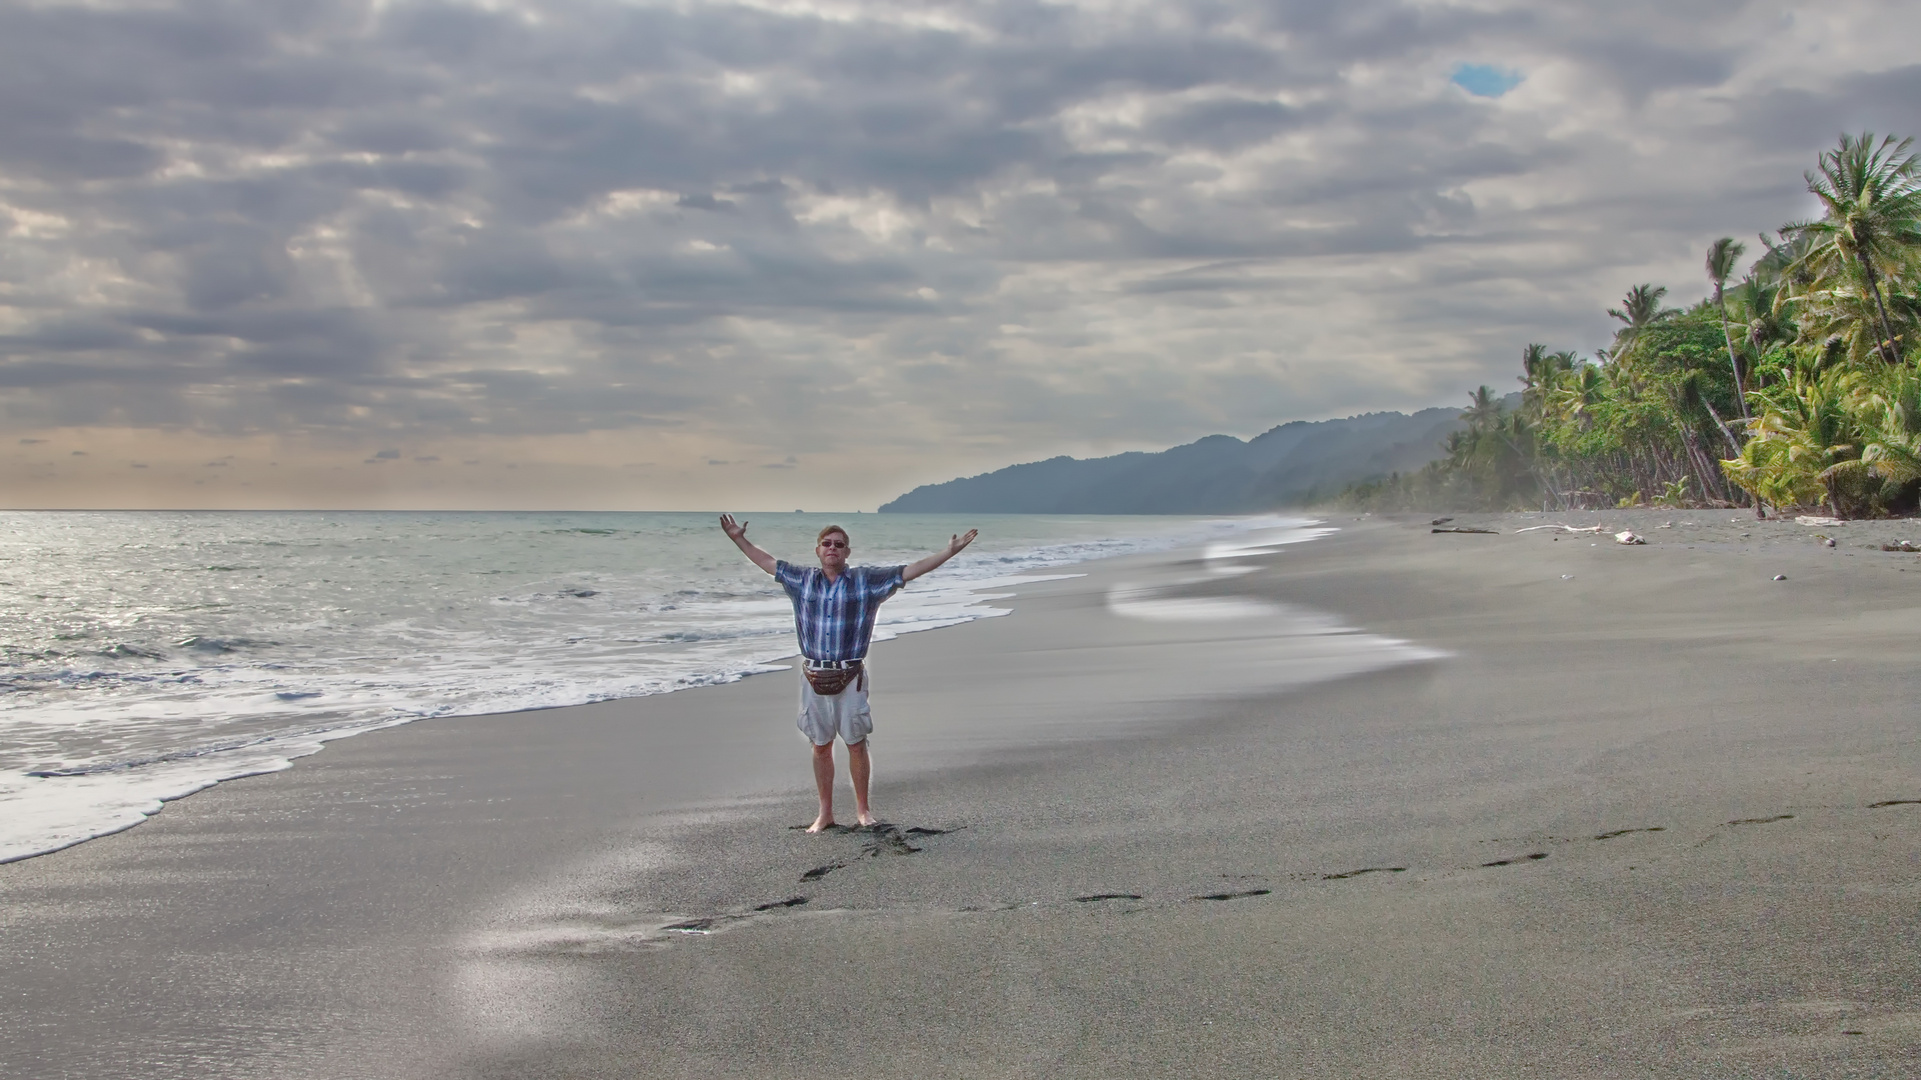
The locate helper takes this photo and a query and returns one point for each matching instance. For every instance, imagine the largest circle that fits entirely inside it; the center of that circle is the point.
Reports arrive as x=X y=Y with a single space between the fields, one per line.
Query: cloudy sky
x=811 y=253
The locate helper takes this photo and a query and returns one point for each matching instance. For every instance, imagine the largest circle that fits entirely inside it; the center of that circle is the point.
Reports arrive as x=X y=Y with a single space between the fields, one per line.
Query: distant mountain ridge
x=1219 y=474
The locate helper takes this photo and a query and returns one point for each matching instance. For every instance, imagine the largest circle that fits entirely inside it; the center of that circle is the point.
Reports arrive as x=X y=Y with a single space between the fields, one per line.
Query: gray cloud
x=1006 y=226
x=1879 y=100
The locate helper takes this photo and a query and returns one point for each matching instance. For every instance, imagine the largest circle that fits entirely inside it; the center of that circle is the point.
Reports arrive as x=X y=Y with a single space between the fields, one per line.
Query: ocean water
x=148 y=655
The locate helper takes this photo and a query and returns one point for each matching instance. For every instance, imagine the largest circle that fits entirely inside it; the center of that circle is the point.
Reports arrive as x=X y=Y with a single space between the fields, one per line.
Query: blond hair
x=833 y=529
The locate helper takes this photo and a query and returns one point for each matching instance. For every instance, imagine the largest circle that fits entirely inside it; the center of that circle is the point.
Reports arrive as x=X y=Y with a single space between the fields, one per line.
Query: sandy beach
x=1389 y=803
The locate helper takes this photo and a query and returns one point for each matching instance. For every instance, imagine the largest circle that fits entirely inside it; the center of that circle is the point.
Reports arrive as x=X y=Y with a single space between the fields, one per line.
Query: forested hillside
x=1289 y=465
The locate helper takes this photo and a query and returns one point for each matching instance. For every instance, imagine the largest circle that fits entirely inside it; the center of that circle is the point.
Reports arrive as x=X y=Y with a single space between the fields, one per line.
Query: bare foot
x=868 y=821
x=821 y=823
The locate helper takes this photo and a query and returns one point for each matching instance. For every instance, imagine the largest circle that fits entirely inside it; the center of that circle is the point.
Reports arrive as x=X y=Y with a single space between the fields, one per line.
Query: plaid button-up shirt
x=835 y=620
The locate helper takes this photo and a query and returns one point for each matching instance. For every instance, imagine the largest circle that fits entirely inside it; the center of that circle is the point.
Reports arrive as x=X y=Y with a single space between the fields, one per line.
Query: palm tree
x=1891 y=409
x=1769 y=323
x=1640 y=309
x=1839 y=318
x=1803 y=442
x=1721 y=256
x=1541 y=374
x=1577 y=396
x=1871 y=223
x=1774 y=288
x=1484 y=409
x=1533 y=361
x=1783 y=265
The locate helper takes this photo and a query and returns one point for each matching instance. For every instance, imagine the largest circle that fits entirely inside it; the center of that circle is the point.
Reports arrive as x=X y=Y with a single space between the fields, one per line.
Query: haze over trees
x=1796 y=386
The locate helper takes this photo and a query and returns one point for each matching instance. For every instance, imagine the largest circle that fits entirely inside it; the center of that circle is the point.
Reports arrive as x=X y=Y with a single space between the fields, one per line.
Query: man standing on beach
x=834 y=609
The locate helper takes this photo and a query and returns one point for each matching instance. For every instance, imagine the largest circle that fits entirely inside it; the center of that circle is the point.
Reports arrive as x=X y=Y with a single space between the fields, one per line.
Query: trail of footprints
x=885 y=839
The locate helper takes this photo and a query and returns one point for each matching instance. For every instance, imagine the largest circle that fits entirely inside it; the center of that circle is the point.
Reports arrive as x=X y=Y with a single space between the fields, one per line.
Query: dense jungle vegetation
x=1795 y=387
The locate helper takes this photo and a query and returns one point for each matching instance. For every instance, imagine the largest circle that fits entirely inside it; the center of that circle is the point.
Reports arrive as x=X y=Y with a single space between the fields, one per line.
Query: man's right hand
x=737 y=532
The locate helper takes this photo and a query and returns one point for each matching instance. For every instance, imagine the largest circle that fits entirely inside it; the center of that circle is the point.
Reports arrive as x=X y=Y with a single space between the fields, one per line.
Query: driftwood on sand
x=1563 y=528
x=1463 y=529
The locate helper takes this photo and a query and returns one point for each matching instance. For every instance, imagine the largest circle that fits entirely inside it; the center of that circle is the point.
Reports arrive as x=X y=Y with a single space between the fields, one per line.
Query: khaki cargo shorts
x=845 y=714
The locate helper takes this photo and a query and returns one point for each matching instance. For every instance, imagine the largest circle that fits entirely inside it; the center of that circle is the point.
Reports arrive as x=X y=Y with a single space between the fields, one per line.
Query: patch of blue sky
x=1485 y=80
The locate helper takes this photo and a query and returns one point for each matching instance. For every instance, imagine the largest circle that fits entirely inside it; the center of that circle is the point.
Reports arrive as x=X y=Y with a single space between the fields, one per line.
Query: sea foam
x=146 y=656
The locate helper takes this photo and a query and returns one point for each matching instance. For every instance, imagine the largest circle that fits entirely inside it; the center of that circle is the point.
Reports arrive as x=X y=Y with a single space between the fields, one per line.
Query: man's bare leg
x=860 y=766
x=824 y=784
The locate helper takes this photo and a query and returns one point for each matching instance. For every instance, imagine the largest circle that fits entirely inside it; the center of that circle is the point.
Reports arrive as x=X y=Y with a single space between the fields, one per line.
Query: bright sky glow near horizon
x=626 y=254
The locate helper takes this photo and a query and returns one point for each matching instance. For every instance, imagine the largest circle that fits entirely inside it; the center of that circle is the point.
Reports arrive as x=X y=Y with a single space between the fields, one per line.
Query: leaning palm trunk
x=1880 y=308
x=1740 y=391
x=1697 y=464
x=1733 y=494
x=1727 y=433
x=1713 y=484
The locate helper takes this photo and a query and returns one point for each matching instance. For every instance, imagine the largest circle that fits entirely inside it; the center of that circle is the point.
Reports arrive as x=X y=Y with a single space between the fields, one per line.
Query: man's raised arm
x=952 y=549
x=737 y=532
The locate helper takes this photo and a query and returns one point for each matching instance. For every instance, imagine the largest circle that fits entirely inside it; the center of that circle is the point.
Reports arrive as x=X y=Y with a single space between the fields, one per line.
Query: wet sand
x=1567 y=809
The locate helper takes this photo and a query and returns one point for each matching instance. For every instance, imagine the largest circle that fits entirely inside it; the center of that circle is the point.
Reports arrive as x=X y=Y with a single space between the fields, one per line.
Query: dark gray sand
x=1609 y=811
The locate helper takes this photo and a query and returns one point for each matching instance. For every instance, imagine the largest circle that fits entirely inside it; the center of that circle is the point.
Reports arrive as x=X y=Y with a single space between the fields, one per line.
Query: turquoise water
x=146 y=655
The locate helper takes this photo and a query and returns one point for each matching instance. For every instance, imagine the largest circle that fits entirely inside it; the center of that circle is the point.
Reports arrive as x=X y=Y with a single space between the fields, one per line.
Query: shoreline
x=202 y=737
x=1205 y=878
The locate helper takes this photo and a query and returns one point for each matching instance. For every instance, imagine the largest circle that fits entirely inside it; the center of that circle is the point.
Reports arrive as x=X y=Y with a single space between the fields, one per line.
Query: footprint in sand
x=882 y=839
x=888 y=839
x=1625 y=832
x=1365 y=870
x=1536 y=857
x=1758 y=820
x=710 y=924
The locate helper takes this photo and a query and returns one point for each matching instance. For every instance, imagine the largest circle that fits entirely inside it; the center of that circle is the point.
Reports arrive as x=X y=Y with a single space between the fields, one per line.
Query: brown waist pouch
x=828 y=682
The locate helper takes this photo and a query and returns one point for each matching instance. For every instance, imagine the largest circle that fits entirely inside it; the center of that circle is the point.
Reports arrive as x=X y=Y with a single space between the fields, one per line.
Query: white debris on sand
x=1628 y=537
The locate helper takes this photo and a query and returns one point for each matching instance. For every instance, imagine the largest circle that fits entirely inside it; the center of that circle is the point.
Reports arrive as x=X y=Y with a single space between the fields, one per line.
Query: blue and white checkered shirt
x=835 y=620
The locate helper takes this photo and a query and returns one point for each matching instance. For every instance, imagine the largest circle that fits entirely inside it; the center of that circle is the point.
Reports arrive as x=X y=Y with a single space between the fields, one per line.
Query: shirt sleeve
x=791 y=577
x=885 y=581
